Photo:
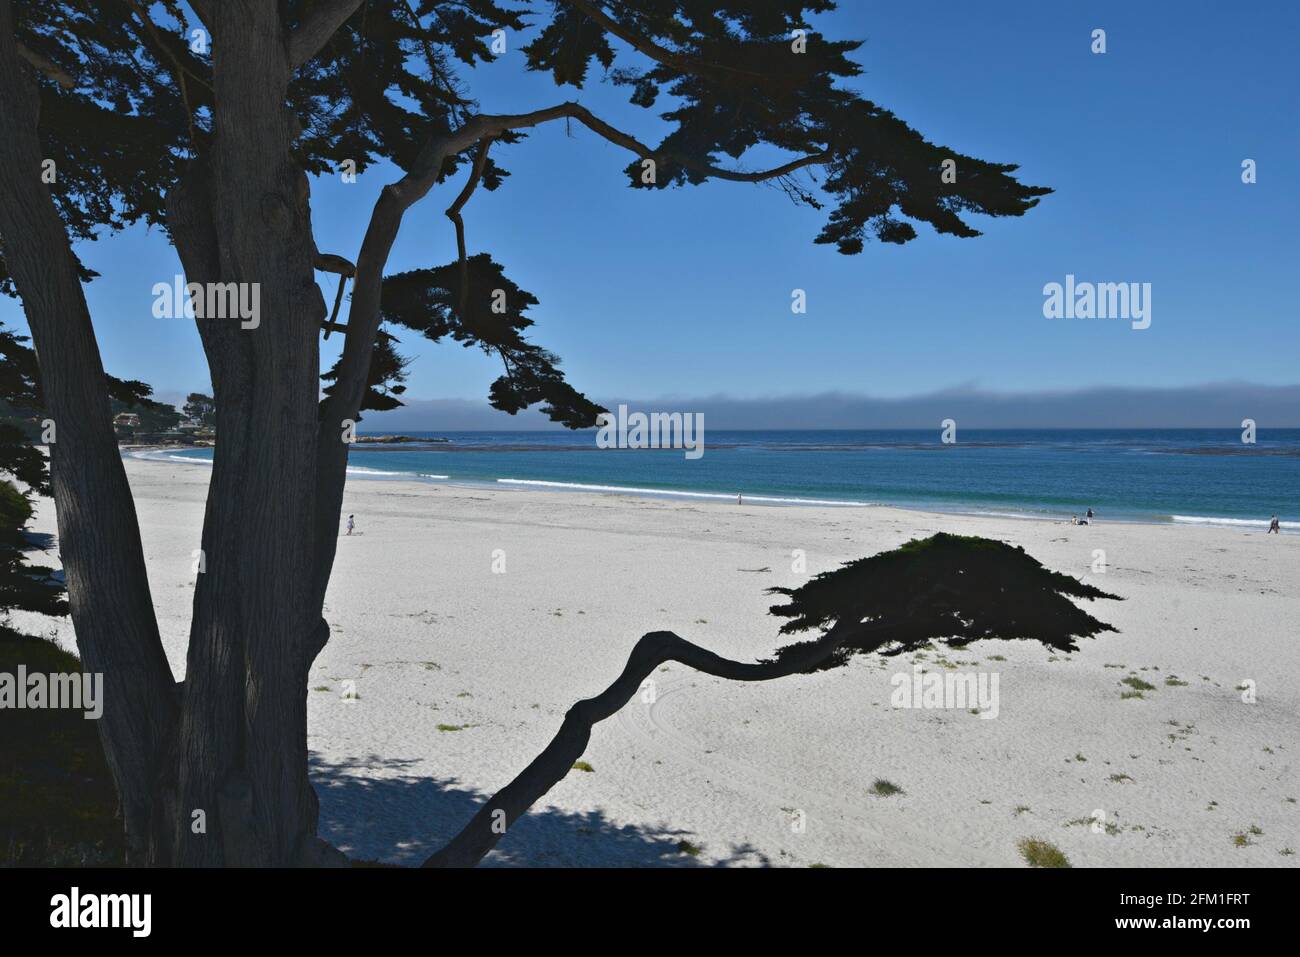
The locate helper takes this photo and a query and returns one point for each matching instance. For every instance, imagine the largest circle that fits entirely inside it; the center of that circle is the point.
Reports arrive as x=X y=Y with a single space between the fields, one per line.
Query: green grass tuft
x=1137 y=684
x=1041 y=854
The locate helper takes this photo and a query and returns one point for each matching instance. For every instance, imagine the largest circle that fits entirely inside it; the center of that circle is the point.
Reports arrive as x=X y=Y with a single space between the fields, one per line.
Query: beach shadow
x=401 y=819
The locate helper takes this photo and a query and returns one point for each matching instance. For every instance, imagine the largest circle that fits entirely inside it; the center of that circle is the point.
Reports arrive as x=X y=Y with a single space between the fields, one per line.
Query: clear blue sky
x=687 y=292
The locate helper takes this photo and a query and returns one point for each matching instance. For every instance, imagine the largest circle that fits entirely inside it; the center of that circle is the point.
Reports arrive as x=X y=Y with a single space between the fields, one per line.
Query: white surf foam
x=162 y=455
x=1236 y=522
x=721 y=496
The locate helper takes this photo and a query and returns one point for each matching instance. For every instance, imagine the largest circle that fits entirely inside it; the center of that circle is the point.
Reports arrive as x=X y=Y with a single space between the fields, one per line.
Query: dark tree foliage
x=115 y=124
x=386 y=82
x=387 y=375
x=950 y=588
x=385 y=86
x=431 y=301
x=18 y=415
x=24 y=586
x=735 y=86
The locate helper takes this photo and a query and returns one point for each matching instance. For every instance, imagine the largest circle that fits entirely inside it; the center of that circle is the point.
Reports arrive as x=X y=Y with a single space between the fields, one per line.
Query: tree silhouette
x=209 y=126
x=951 y=588
x=200 y=408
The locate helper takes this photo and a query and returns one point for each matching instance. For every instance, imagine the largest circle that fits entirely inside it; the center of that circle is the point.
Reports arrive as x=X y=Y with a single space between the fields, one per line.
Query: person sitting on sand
x=350 y=524
x=1074 y=519
x=1274 y=526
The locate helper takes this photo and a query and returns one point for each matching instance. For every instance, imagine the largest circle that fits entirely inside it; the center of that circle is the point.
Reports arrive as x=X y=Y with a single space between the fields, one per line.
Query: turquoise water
x=1175 y=475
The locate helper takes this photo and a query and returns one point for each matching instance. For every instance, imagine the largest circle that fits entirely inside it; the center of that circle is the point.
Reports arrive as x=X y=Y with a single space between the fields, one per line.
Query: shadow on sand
x=371 y=811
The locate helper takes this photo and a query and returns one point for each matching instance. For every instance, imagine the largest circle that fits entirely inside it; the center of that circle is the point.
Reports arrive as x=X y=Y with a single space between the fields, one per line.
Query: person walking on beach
x=350 y=524
x=740 y=499
x=1274 y=526
x=1089 y=515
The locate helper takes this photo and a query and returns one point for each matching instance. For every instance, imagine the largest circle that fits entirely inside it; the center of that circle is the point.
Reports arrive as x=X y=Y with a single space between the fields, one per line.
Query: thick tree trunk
x=241 y=216
x=99 y=538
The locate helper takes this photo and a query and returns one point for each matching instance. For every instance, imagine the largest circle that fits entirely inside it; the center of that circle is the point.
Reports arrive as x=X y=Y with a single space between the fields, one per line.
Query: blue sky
x=687 y=292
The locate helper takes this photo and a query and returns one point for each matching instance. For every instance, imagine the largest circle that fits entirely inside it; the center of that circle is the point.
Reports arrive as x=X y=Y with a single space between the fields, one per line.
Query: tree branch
x=46 y=66
x=353 y=368
x=329 y=262
x=453 y=213
x=486 y=828
x=317 y=27
x=499 y=124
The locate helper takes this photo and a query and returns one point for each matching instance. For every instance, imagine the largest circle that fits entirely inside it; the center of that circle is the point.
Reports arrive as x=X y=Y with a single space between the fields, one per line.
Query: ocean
x=1161 y=475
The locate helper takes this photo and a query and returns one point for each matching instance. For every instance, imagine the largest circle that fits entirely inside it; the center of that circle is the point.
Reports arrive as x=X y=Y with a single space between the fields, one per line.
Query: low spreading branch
x=400 y=196
x=505 y=807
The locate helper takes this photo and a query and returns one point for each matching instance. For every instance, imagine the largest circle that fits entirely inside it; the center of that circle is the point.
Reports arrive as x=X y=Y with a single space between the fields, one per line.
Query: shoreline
x=723 y=498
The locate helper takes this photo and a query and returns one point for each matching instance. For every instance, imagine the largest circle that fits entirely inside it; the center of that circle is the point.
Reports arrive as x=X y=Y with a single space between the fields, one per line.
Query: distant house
x=126 y=420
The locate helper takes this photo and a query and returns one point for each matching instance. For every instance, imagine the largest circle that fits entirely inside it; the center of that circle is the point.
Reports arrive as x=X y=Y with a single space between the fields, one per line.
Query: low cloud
x=1216 y=405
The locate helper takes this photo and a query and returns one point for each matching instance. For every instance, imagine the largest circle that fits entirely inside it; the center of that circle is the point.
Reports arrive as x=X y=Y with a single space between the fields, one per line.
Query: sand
x=462 y=674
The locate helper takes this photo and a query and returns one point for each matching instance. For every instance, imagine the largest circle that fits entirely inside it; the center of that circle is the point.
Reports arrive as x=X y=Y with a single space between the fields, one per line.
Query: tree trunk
x=99 y=538
x=242 y=216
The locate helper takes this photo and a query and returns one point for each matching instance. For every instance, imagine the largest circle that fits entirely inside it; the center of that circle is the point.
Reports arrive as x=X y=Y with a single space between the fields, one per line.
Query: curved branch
x=328 y=262
x=500 y=124
x=317 y=27
x=453 y=213
x=483 y=831
x=381 y=232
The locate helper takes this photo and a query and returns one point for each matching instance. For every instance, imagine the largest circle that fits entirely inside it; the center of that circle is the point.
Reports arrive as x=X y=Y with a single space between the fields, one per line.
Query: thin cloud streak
x=1215 y=405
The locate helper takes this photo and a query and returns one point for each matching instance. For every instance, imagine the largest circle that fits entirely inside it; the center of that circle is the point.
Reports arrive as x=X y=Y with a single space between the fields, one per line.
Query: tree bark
x=241 y=216
x=99 y=537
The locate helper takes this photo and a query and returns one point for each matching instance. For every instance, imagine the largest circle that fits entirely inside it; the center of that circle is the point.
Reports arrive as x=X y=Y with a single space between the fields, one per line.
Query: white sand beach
x=436 y=641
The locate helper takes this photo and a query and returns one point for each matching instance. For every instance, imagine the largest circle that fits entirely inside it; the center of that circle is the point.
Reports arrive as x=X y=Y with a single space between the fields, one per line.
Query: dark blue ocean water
x=1184 y=475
